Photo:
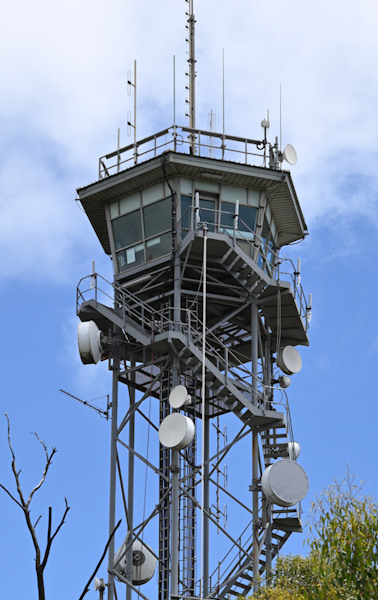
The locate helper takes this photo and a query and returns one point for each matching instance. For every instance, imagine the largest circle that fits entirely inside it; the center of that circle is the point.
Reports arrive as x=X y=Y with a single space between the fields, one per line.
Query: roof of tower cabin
x=277 y=184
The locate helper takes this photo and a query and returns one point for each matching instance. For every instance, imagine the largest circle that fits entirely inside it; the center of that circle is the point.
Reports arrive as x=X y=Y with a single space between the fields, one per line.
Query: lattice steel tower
x=200 y=326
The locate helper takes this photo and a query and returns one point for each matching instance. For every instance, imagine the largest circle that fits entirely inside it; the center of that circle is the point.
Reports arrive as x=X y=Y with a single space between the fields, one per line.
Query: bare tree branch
x=62 y=521
x=37 y=521
x=24 y=505
x=9 y=494
x=49 y=458
x=50 y=538
x=14 y=469
x=86 y=589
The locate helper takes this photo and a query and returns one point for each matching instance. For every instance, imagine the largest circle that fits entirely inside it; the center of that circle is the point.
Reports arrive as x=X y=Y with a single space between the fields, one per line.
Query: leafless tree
x=41 y=558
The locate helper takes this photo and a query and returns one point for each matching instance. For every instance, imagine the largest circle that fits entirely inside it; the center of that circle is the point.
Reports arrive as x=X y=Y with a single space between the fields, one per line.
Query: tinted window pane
x=127 y=230
x=269 y=254
x=127 y=259
x=157 y=217
x=159 y=246
x=247 y=218
x=227 y=215
x=186 y=202
x=207 y=213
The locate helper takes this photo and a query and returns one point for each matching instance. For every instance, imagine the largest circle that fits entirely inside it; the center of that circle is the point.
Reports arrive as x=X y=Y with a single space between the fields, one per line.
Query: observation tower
x=200 y=328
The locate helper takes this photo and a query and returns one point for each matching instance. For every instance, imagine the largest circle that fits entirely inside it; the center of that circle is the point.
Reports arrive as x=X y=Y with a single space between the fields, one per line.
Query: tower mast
x=204 y=319
x=192 y=71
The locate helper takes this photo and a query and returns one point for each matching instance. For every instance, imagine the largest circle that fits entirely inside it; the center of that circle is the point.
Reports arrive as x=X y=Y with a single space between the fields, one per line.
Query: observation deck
x=153 y=198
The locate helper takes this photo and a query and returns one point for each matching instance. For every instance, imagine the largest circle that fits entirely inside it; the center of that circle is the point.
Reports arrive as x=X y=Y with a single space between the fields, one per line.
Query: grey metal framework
x=172 y=219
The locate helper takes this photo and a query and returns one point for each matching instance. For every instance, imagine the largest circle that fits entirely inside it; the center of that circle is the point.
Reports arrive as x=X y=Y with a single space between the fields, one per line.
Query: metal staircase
x=152 y=329
x=230 y=387
x=254 y=280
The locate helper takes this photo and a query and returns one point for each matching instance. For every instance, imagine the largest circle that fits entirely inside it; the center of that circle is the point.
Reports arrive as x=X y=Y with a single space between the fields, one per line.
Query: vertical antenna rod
x=224 y=125
x=192 y=72
x=280 y=117
x=130 y=84
x=174 y=90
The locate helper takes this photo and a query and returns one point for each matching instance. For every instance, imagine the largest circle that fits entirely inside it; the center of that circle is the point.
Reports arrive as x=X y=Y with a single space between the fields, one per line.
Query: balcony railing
x=188 y=141
x=255 y=247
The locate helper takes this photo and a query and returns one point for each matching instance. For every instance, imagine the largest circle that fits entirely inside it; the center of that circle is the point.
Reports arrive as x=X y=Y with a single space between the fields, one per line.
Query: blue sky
x=63 y=71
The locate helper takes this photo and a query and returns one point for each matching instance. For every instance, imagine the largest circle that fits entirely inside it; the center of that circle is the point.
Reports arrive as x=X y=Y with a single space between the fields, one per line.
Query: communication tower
x=200 y=327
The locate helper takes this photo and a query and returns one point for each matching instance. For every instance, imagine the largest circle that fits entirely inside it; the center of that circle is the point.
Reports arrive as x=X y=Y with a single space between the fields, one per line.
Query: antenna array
x=191 y=73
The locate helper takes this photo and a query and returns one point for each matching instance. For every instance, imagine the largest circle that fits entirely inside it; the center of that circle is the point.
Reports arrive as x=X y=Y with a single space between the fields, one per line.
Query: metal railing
x=152 y=322
x=180 y=139
x=267 y=258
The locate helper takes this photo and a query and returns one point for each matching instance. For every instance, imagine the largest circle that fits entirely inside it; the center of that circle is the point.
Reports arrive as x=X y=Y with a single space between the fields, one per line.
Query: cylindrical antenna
x=131 y=84
x=280 y=117
x=118 y=149
x=93 y=278
x=135 y=103
x=192 y=74
x=224 y=125
x=298 y=273
x=196 y=209
x=174 y=90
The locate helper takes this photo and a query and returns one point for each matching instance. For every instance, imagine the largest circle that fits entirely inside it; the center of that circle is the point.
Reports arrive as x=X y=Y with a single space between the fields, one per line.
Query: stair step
x=228 y=257
x=276 y=446
x=276 y=454
x=259 y=287
x=244 y=272
x=267 y=435
x=252 y=279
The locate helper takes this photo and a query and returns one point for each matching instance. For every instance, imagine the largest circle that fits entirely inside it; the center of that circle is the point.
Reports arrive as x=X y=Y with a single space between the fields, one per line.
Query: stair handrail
x=155 y=321
x=220 y=360
x=140 y=311
x=233 y=563
x=241 y=542
x=268 y=254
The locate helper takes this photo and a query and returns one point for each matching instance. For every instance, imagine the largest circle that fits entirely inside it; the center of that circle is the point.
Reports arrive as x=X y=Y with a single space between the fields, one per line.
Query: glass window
x=186 y=203
x=206 y=186
x=130 y=203
x=273 y=229
x=157 y=217
x=227 y=215
x=186 y=186
x=269 y=254
x=114 y=210
x=254 y=198
x=131 y=257
x=207 y=213
x=247 y=218
x=127 y=229
x=232 y=193
x=153 y=193
x=159 y=246
x=265 y=234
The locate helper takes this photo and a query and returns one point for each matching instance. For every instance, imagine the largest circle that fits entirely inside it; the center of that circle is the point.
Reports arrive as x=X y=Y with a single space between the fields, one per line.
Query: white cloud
x=64 y=96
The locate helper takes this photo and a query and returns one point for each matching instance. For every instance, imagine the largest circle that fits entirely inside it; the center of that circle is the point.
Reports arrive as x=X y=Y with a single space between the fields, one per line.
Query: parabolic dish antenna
x=289 y=154
x=89 y=341
x=144 y=562
x=179 y=396
x=294 y=450
x=176 y=431
x=284 y=482
x=289 y=360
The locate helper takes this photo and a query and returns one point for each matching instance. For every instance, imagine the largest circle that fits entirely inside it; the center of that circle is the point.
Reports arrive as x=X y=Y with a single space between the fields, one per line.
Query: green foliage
x=343 y=559
x=345 y=538
x=277 y=593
